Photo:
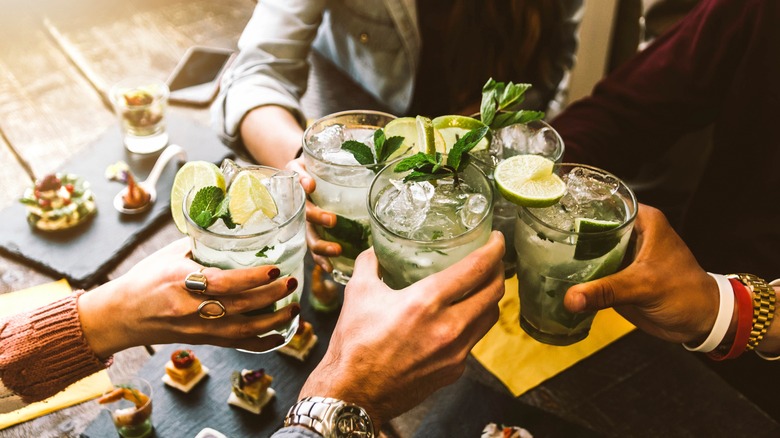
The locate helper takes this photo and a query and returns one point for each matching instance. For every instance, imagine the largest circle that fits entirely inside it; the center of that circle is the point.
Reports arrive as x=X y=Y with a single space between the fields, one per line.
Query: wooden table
x=58 y=58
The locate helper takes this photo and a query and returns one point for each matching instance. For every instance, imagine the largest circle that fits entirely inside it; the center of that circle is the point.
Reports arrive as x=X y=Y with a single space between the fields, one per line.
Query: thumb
x=599 y=294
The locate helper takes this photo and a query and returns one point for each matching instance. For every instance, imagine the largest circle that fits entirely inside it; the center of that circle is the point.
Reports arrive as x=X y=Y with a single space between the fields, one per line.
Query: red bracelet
x=744 y=299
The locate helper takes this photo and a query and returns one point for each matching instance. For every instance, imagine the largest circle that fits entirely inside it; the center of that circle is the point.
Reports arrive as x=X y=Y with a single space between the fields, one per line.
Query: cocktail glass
x=342 y=183
x=533 y=138
x=581 y=238
x=421 y=228
x=260 y=241
x=132 y=410
x=140 y=104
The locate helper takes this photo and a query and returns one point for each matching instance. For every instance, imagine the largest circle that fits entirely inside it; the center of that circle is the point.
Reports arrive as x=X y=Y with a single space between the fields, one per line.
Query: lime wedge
x=592 y=247
x=247 y=195
x=194 y=174
x=425 y=135
x=528 y=181
x=406 y=127
x=454 y=127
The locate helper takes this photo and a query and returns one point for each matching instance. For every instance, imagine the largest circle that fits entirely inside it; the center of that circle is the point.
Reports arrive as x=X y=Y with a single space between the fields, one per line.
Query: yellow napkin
x=521 y=363
x=85 y=389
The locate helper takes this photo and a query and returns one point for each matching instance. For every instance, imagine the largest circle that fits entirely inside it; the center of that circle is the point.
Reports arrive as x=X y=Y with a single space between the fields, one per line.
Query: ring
x=204 y=312
x=196 y=282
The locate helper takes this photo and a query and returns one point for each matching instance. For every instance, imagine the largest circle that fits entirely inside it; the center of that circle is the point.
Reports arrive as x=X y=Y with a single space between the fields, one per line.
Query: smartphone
x=195 y=81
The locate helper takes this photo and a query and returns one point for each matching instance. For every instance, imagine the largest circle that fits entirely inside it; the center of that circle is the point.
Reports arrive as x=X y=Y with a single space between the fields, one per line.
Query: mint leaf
x=499 y=102
x=510 y=118
x=414 y=161
x=224 y=214
x=205 y=204
x=464 y=144
x=350 y=234
x=379 y=144
x=263 y=251
x=418 y=176
x=391 y=145
x=360 y=151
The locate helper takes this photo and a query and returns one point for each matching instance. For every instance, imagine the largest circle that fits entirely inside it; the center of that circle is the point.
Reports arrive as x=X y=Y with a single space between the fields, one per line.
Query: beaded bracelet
x=744 y=322
x=722 y=321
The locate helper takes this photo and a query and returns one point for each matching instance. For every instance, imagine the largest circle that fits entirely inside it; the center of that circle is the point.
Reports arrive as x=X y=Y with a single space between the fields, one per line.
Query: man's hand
x=663 y=291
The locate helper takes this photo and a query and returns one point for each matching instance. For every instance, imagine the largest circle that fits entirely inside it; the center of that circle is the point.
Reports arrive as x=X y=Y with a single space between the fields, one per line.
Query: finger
x=613 y=290
x=231 y=281
x=456 y=281
x=479 y=311
x=323 y=262
x=319 y=246
x=253 y=343
x=319 y=216
x=260 y=297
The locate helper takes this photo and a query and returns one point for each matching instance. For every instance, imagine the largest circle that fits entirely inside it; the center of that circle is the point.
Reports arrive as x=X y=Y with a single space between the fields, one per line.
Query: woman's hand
x=663 y=291
x=391 y=349
x=320 y=249
x=150 y=305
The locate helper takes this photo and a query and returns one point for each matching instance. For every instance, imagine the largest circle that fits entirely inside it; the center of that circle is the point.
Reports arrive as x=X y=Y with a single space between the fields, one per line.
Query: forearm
x=44 y=351
x=272 y=135
x=103 y=316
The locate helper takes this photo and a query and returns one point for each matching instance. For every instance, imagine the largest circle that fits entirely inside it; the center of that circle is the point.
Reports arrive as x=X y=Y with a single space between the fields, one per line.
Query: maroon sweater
x=721 y=66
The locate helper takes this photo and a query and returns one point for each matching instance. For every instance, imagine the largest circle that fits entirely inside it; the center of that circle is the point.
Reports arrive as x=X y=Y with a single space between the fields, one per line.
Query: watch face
x=352 y=422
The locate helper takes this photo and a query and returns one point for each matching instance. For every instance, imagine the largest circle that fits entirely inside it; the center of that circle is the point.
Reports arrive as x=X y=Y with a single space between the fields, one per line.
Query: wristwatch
x=331 y=418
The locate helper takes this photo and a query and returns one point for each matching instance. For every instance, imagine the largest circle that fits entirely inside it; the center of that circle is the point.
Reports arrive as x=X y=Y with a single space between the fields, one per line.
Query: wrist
x=97 y=310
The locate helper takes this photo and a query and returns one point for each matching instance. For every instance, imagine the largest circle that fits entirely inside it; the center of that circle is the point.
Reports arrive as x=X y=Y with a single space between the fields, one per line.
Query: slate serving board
x=84 y=254
x=179 y=415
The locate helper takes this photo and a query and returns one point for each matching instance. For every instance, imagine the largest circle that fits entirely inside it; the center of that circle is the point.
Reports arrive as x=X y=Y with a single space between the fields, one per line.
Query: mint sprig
x=208 y=205
x=426 y=167
x=383 y=149
x=500 y=102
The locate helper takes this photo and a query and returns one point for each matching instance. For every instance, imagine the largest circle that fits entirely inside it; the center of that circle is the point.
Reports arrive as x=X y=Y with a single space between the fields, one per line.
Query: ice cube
x=257 y=223
x=586 y=185
x=283 y=185
x=329 y=139
x=473 y=210
x=339 y=157
x=229 y=170
x=403 y=207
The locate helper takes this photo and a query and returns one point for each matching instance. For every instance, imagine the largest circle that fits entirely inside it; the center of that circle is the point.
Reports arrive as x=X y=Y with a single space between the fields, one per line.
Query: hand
x=149 y=305
x=320 y=249
x=663 y=291
x=391 y=349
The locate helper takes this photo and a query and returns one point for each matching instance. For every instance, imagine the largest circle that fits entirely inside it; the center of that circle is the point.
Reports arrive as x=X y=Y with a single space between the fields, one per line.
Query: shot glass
x=141 y=103
x=581 y=238
x=130 y=406
x=342 y=184
x=423 y=228
x=280 y=241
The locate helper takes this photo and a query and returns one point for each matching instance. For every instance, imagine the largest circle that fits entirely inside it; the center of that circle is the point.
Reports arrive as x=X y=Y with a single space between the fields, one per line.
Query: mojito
x=261 y=236
x=420 y=228
x=342 y=182
x=580 y=238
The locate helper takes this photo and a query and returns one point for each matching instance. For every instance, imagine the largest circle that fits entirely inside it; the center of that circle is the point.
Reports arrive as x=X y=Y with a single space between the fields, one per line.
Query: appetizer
x=184 y=370
x=130 y=420
x=301 y=343
x=135 y=197
x=251 y=390
x=59 y=201
x=492 y=430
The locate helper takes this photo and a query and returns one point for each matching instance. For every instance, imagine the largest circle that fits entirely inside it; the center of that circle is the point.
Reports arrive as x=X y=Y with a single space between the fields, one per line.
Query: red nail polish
x=295 y=310
x=273 y=274
x=292 y=284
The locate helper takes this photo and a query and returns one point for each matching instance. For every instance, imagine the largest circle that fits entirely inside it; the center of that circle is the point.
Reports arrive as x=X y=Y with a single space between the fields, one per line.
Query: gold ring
x=196 y=282
x=204 y=312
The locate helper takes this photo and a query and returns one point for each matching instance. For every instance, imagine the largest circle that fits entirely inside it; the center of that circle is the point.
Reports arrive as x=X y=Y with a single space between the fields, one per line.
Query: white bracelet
x=758 y=353
x=723 y=320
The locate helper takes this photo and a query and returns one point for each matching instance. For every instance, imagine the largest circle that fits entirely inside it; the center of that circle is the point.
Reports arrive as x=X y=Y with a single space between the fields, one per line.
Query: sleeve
x=43 y=352
x=271 y=67
x=674 y=86
x=295 y=432
x=565 y=56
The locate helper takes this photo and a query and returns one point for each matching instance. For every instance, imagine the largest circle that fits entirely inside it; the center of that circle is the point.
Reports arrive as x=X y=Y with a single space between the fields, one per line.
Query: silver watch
x=331 y=418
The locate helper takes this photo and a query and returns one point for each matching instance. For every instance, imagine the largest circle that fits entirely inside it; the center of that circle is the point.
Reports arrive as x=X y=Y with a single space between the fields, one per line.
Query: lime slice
x=453 y=128
x=528 y=181
x=406 y=127
x=246 y=195
x=194 y=174
x=592 y=247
